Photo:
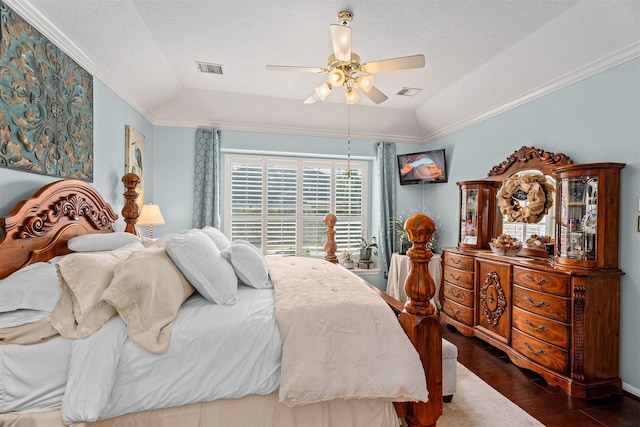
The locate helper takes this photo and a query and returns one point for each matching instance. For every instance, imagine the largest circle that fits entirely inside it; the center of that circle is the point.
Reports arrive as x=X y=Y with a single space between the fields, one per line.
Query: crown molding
x=598 y=66
x=30 y=14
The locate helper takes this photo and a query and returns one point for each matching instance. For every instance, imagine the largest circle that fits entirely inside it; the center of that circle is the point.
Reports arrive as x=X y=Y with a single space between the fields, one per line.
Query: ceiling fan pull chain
x=349 y=143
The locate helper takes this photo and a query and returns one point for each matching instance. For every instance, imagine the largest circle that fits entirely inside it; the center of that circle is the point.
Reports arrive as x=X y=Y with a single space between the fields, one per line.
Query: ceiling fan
x=344 y=67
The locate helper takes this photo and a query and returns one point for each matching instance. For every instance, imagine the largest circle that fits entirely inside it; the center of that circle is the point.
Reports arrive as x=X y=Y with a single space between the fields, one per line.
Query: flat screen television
x=422 y=167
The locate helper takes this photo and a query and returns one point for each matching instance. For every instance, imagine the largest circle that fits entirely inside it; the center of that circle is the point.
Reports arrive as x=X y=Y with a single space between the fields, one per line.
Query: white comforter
x=110 y=375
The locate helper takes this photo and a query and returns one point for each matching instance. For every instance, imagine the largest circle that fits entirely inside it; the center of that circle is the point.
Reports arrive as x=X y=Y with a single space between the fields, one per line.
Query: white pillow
x=248 y=263
x=21 y=317
x=217 y=236
x=34 y=287
x=200 y=261
x=101 y=241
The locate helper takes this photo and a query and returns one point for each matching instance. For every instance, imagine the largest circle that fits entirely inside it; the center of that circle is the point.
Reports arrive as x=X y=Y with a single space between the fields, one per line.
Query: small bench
x=449 y=370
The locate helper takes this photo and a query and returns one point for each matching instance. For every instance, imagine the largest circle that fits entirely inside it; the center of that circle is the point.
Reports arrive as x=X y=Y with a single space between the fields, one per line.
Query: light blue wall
x=110 y=115
x=594 y=120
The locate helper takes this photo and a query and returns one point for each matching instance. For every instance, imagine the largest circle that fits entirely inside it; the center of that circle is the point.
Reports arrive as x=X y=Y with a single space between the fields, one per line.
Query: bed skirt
x=252 y=410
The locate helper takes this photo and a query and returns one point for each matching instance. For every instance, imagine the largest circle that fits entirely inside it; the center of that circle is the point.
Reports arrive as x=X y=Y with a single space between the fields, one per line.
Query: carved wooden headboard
x=38 y=228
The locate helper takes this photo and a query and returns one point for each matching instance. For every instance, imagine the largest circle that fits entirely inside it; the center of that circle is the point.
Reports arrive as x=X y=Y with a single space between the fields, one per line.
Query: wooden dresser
x=559 y=315
x=560 y=323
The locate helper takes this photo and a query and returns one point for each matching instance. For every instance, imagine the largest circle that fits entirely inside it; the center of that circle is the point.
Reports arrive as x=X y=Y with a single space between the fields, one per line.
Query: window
x=279 y=203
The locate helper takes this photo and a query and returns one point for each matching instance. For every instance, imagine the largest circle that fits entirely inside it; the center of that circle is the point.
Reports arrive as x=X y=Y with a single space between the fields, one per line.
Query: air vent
x=205 y=67
x=409 y=91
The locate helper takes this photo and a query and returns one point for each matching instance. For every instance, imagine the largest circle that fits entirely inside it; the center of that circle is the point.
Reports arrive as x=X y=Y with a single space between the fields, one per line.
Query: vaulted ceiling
x=482 y=57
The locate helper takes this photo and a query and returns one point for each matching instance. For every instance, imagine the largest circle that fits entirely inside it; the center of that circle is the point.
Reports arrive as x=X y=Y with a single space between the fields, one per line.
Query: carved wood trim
x=38 y=228
x=71 y=206
x=492 y=298
x=577 y=372
x=528 y=158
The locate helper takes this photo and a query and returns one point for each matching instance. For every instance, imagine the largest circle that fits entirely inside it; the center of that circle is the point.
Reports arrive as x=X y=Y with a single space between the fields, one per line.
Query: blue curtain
x=207 y=179
x=386 y=163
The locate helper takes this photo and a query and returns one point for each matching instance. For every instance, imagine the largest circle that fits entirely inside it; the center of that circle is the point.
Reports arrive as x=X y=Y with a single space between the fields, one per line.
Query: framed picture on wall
x=134 y=158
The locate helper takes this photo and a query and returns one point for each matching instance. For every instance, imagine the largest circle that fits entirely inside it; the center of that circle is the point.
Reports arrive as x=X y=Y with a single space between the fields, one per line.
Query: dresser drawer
x=546 y=305
x=545 y=354
x=557 y=284
x=460 y=278
x=457 y=294
x=458 y=312
x=548 y=330
x=461 y=262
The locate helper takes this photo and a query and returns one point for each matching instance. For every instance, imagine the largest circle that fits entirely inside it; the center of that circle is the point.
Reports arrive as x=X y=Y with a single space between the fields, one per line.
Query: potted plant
x=402 y=234
x=347 y=260
x=367 y=248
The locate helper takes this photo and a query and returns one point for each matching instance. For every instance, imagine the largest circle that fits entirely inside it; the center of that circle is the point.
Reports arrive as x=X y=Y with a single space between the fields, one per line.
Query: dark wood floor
x=547 y=404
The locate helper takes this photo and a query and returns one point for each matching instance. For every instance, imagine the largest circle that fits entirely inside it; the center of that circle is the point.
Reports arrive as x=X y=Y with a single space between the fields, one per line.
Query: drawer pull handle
x=536 y=352
x=456 y=312
x=455 y=277
x=536 y=304
x=535 y=328
x=536 y=282
x=455 y=260
x=455 y=294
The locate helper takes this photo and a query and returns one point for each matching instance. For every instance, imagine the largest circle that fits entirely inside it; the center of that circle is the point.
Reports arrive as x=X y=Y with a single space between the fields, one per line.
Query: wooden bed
x=38 y=228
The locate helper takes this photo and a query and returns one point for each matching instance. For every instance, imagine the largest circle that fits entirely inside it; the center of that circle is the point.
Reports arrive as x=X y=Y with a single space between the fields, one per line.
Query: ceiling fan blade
x=402 y=63
x=294 y=68
x=375 y=95
x=341 y=37
x=312 y=99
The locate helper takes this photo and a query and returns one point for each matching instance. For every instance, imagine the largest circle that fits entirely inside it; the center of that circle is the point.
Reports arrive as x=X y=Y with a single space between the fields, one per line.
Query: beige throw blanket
x=142 y=285
x=340 y=339
x=83 y=277
x=147 y=290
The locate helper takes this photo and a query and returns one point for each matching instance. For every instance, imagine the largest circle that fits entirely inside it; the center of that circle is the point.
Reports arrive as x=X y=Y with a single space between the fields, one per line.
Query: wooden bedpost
x=421 y=322
x=330 y=245
x=130 y=210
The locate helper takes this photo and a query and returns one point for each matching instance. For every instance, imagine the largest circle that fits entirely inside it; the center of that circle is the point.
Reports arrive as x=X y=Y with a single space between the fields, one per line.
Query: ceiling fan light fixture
x=336 y=77
x=350 y=95
x=344 y=67
x=365 y=82
x=323 y=90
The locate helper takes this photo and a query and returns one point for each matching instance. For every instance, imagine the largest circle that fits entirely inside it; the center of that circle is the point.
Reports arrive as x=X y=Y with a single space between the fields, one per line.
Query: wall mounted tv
x=422 y=167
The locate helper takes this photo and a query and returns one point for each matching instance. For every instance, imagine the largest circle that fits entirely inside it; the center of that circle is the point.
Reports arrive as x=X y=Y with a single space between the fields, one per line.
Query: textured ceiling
x=482 y=56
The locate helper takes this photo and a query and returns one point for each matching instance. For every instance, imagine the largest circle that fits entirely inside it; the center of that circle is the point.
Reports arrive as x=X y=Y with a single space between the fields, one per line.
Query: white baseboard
x=631 y=389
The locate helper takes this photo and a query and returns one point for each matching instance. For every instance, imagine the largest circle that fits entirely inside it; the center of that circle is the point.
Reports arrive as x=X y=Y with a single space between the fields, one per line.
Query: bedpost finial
x=330 y=245
x=130 y=210
x=419 y=285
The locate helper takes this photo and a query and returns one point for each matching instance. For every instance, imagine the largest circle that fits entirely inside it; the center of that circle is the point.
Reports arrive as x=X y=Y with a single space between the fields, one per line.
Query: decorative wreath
x=532 y=188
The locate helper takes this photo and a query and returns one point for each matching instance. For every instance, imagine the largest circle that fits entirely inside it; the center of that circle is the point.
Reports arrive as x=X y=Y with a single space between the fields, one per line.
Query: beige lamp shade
x=150 y=215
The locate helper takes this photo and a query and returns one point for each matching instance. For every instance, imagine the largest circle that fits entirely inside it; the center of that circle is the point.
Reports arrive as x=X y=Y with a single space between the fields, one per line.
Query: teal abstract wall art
x=46 y=104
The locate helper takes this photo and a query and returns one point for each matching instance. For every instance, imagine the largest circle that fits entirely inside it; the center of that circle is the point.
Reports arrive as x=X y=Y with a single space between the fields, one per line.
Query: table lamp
x=149 y=215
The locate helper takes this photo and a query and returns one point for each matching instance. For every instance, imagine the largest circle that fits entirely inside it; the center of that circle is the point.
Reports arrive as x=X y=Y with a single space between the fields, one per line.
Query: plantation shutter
x=281 y=189
x=246 y=201
x=348 y=207
x=279 y=203
x=316 y=203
